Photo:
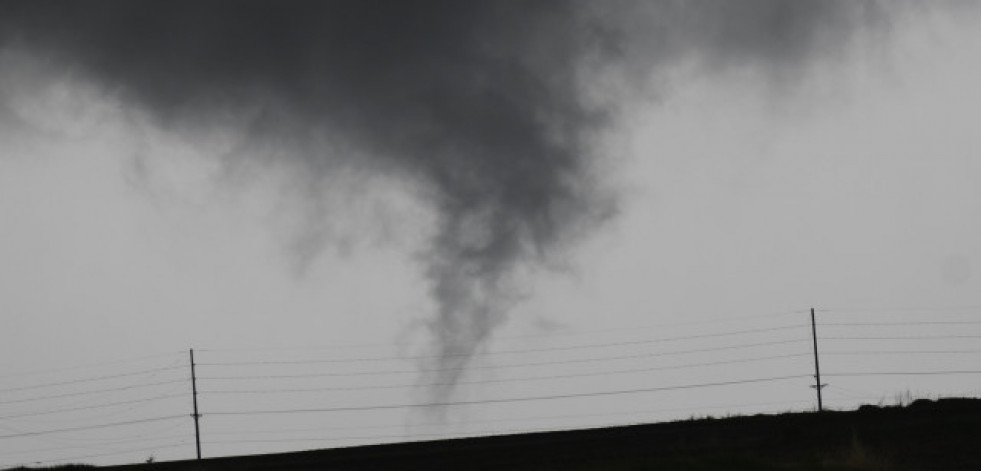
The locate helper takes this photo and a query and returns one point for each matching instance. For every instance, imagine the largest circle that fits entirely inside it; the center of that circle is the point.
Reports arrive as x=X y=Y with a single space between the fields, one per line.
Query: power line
x=403 y=437
x=481 y=433
x=95 y=441
x=92 y=427
x=409 y=437
x=507 y=400
x=908 y=373
x=506 y=380
x=513 y=365
x=717 y=320
x=482 y=354
x=91 y=379
x=899 y=352
x=96 y=406
x=586 y=357
x=633 y=413
x=910 y=337
x=902 y=309
x=712 y=321
x=95 y=391
x=898 y=324
x=87 y=365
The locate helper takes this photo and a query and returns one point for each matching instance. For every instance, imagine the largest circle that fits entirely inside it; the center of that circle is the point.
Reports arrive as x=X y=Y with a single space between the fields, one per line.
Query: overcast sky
x=440 y=181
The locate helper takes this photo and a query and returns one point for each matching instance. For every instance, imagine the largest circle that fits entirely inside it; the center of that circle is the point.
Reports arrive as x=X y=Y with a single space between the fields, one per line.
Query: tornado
x=491 y=110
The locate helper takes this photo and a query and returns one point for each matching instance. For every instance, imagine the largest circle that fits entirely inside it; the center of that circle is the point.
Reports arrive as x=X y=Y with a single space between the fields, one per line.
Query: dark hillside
x=927 y=435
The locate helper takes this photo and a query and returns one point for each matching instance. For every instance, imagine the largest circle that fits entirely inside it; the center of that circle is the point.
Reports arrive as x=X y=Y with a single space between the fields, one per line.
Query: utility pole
x=194 y=390
x=817 y=365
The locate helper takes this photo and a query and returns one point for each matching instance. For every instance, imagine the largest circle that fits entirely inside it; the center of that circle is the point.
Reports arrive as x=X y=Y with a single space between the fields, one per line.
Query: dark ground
x=926 y=435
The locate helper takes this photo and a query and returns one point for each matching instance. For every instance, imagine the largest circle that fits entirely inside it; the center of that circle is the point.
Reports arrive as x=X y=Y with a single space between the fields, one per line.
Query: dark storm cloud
x=480 y=103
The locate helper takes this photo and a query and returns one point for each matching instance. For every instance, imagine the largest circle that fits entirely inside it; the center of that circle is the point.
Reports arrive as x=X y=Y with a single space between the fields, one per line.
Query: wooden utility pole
x=194 y=390
x=817 y=365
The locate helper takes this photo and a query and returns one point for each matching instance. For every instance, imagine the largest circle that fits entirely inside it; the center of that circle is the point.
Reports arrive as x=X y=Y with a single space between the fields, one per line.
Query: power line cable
x=633 y=413
x=906 y=373
x=95 y=391
x=96 y=406
x=842 y=310
x=92 y=427
x=896 y=324
x=508 y=400
x=416 y=435
x=899 y=352
x=513 y=365
x=120 y=408
x=400 y=437
x=482 y=354
x=714 y=321
x=88 y=365
x=910 y=337
x=504 y=380
x=718 y=320
x=95 y=441
x=91 y=379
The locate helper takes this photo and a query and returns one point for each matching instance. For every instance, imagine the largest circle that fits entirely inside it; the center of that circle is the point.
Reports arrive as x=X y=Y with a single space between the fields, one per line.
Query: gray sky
x=438 y=183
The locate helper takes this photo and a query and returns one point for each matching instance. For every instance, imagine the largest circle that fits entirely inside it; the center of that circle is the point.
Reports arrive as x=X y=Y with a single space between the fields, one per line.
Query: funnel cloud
x=490 y=109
